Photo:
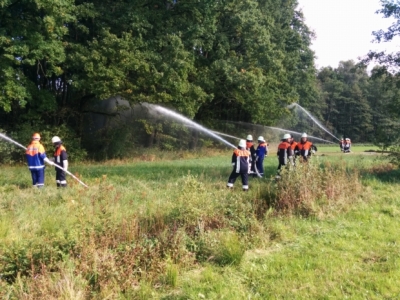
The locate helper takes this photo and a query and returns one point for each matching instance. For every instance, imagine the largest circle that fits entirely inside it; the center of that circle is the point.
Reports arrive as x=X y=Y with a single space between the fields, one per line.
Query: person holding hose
x=293 y=147
x=240 y=163
x=305 y=147
x=60 y=159
x=36 y=158
x=347 y=146
x=250 y=147
x=285 y=153
x=261 y=153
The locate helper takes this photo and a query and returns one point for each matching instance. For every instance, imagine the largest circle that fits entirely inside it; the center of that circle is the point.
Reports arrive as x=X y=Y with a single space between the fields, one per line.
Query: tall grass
x=310 y=187
x=166 y=229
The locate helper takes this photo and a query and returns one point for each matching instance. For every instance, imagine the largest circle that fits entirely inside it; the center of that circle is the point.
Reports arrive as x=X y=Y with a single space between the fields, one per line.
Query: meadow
x=164 y=226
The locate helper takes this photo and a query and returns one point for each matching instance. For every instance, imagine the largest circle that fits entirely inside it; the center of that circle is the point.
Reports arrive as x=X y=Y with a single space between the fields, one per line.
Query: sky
x=344 y=28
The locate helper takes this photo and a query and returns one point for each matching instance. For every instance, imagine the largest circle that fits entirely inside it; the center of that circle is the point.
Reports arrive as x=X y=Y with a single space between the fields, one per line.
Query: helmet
x=242 y=143
x=55 y=139
x=286 y=136
x=36 y=136
x=347 y=139
x=249 y=137
x=261 y=139
x=304 y=135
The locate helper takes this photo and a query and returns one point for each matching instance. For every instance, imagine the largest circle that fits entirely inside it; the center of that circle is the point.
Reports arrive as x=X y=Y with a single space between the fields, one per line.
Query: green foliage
x=213 y=60
x=23 y=135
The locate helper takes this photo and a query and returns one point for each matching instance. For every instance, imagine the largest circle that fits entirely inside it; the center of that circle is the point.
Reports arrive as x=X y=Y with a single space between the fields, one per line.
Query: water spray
x=312 y=118
x=283 y=130
x=57 y=166
x=295 y=132
x=183 y=119
x=224 y=134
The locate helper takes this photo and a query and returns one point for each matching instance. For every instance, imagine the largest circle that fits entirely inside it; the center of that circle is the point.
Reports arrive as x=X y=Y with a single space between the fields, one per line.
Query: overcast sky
x=344 y=29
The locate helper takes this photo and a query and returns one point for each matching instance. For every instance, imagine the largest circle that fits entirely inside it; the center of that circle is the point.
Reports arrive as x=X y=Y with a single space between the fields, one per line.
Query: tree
x=347 y=109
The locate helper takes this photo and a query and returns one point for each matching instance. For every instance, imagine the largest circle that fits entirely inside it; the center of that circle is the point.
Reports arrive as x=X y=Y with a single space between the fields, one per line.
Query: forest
x=208 y=60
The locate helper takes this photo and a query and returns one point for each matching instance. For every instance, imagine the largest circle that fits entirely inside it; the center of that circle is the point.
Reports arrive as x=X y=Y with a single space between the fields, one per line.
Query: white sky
x=344 y=29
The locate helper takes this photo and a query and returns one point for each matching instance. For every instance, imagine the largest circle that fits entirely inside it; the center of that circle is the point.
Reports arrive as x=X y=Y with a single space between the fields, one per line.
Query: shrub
x=10 y=153
x=303 y=189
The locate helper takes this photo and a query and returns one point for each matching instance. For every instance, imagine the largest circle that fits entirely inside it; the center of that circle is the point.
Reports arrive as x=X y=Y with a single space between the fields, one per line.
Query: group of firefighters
x=345 y=145
x=36 y=158
x=248 y=160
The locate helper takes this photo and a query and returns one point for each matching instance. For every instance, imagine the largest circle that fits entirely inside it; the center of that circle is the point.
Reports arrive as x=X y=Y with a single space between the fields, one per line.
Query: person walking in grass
x=61 y=160
x=240 y=163
x=261 y=153
x=36 y=158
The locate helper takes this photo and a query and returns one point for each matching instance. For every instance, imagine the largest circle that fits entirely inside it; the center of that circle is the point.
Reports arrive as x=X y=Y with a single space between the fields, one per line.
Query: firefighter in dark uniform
x=293 y=147
x=285 y=153
x=347 y=145
x=341 y=144
x=250 y=147
x=240 y=163
x=305 y=147
x=261 y=152
x=60 y=159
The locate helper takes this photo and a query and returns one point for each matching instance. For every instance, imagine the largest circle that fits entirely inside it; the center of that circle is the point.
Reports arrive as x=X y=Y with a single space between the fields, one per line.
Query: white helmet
x=249 y=137
x=304 y=135
x=55 y=139
x=347 y=139
x=261 y=139
x=286 y=136
x=242 y=144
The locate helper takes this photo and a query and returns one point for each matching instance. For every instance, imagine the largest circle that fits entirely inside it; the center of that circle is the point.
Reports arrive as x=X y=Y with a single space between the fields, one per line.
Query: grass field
x=169 y=229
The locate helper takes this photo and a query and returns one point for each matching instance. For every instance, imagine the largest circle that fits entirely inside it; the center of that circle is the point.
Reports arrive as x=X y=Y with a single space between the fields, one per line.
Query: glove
x=48 y=161
x=313 y=151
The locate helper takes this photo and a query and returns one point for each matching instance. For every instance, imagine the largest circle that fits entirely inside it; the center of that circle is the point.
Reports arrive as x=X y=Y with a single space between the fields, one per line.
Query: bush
x=10 y=153
x=303 y=189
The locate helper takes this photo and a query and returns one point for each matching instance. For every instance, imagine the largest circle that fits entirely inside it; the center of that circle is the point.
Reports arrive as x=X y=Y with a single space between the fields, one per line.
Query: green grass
x=169 y=229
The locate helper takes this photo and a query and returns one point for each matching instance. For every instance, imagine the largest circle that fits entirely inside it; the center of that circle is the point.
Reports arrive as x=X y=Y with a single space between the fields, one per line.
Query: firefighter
x=36 y=158
x=285 y=153
x=305 y=147
x=240 y=163
x=293 y=146
x=261 y=153
x=341 y=144
x=250 y=147
x=347 y=145
x=60 y=159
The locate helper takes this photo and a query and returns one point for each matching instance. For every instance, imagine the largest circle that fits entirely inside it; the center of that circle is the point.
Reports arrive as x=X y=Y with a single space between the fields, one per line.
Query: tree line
x=210 y=60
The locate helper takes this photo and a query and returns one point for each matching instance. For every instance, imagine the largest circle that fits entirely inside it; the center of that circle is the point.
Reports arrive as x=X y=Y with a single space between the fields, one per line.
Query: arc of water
x=224 y=134
x=183 y=119
x=23 y=147
x=313 y=118
x=295 y=132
